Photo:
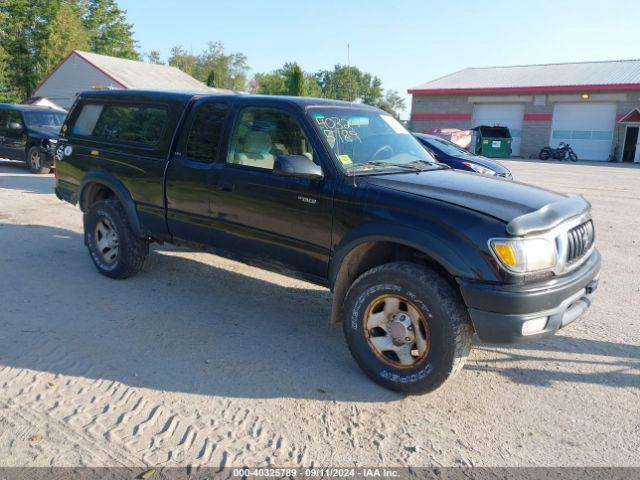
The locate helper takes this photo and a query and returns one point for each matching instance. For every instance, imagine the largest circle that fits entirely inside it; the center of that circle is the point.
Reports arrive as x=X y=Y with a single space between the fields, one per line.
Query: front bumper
x=498 y=312
x=48 y=155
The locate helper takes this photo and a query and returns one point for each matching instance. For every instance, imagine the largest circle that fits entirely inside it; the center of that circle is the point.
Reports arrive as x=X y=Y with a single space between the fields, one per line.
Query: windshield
x=366 y=140
x=44 y=119
x=447 y=147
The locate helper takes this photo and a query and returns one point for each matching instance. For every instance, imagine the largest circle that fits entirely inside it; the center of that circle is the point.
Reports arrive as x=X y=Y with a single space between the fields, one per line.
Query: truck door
x=274 y=220
x=193 y=172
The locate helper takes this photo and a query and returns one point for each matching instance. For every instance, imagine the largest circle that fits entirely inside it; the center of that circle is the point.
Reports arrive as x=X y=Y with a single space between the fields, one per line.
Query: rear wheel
x=36 y=162
x=114 y=248
x=406 y=327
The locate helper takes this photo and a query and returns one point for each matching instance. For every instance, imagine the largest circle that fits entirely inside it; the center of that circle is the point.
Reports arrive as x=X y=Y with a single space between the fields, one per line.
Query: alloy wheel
x=396 y=331
x=107 y=242
x=35 y=160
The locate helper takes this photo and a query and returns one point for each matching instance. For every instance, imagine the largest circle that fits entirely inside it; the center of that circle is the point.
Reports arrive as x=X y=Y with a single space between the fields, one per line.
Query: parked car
x=29 y=134
x=418 y=257
x=457 y=157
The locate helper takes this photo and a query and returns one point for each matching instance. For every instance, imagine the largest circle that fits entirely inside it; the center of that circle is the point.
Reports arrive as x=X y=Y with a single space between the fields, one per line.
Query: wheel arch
x=359 y=255
x=99 y=186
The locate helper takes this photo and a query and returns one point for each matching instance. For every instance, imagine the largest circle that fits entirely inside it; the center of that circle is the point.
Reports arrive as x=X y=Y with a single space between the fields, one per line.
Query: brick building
x=593 y=106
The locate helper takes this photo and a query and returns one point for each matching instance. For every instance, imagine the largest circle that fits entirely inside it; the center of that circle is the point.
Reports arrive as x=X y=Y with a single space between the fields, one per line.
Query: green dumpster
x=494 y=142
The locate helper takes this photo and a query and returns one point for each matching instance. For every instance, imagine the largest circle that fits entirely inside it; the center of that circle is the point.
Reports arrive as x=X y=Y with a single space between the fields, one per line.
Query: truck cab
x=419 y=257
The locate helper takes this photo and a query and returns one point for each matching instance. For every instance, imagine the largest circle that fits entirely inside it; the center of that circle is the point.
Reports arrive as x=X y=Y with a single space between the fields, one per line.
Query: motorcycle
x=563 y=152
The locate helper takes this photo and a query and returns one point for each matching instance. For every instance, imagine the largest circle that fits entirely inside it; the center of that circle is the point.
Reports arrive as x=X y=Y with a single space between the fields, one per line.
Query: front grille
x=579 y=241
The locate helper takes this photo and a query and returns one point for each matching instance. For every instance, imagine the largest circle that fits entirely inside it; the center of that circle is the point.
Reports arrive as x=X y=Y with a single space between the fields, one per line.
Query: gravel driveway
x=204 y=361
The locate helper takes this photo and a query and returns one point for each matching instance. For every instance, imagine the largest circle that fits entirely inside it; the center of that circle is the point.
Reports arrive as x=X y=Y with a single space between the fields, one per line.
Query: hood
x=501 y=199
x=48 y=132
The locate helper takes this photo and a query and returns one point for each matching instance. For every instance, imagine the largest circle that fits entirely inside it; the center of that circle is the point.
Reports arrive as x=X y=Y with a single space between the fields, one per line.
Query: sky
x=404 y=42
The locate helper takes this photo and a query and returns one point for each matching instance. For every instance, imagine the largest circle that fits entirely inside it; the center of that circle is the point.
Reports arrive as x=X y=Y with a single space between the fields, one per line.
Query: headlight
x=525 y=255
x=479 y=169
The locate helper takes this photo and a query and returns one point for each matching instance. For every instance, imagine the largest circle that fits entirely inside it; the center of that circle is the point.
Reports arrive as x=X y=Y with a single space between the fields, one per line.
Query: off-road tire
x=39 y=168
x=132 y=251
x=450 y=327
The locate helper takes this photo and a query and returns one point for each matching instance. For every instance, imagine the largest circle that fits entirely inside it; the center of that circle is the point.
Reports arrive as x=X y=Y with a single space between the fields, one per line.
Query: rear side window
x=204 y=137
x=7 y=117
x=142 y=124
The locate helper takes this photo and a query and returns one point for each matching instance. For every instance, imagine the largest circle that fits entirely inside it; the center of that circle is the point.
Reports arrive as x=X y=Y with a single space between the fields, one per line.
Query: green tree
x=35 y=35
x=153 y=57
x=26 y=29
x=279 y=81
x=392 y=103
x=211 y=79
x=227 y=70
x=350 y=84
x=109 y=31
x=183 y=60
x=296 y=82
x=67 y=34
x=7 y=93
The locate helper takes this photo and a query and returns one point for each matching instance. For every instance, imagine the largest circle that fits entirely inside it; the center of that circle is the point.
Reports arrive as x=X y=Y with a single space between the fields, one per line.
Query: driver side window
x=262 y=134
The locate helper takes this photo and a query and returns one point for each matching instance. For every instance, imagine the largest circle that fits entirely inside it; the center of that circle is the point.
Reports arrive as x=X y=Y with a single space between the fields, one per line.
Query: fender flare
x=434 y=246
x=121 y=193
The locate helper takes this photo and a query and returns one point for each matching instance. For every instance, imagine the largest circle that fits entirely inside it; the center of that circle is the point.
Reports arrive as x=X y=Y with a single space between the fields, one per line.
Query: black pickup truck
x=419 y=257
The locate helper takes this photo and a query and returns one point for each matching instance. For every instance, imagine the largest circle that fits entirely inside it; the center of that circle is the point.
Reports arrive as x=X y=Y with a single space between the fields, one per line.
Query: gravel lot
x=200 y=360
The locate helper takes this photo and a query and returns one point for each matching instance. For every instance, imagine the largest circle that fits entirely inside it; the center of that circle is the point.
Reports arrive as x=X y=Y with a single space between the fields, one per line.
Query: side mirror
x=15 y=127
x=297 y=166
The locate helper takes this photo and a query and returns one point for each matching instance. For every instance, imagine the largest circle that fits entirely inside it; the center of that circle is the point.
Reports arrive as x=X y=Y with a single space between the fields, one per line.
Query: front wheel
x=114 y=248
x=406 y=327
x=573 y=157
x=36 y=162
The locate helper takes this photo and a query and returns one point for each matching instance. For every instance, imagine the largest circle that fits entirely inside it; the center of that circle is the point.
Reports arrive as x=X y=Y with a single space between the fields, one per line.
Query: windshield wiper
x=434 y=165
x=377 y=163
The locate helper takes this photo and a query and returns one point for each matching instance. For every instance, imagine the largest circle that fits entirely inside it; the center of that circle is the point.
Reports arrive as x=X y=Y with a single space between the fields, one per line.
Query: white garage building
x=593 y=106
x=86 y=71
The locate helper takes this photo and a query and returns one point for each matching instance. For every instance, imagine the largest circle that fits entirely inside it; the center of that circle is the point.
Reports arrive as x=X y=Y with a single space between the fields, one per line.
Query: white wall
x=72 y=77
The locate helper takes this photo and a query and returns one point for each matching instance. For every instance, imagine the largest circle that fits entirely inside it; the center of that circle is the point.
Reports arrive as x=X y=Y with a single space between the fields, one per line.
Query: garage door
x=503 y=114
x=588 y=127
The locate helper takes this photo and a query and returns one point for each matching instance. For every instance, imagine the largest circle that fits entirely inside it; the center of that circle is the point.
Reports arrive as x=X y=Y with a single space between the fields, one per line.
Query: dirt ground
x=204 y=361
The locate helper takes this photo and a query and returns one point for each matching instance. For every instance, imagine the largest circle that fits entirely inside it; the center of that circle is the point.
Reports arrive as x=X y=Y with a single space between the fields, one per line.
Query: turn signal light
x=506 y=254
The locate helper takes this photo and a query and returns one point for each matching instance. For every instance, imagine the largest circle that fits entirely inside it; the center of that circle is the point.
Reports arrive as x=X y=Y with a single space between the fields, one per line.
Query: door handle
x=226 y=187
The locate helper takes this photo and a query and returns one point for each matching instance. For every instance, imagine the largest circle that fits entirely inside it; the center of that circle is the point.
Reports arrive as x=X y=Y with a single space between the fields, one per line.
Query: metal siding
x=549 y=75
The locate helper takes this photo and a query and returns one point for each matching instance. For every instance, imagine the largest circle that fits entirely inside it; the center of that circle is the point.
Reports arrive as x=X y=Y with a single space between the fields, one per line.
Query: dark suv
x=419 y=257
x=29 y=133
